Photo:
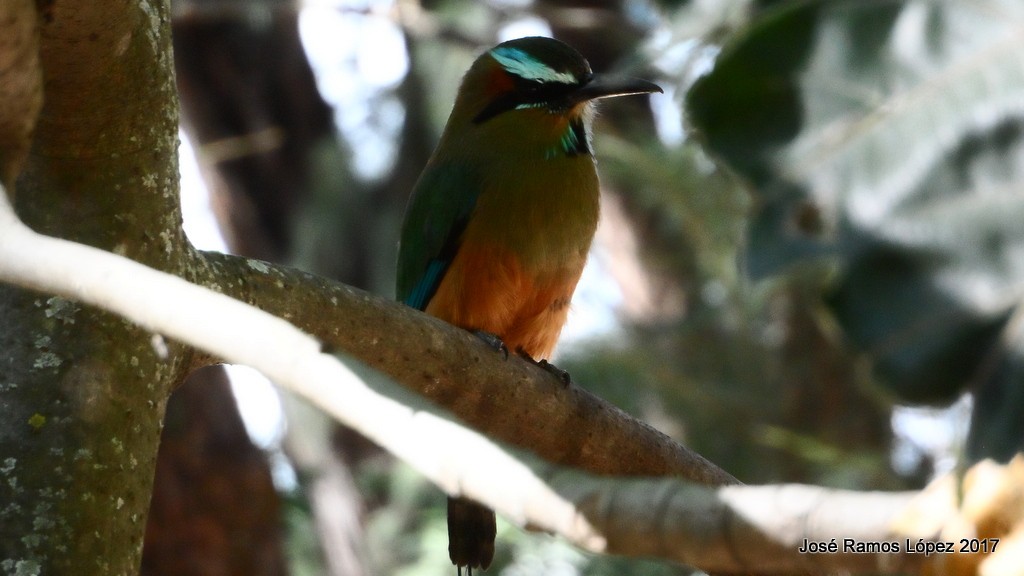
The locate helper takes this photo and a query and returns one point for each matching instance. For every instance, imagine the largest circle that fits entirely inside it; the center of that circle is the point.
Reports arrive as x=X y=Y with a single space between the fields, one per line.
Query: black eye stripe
x=530 y=93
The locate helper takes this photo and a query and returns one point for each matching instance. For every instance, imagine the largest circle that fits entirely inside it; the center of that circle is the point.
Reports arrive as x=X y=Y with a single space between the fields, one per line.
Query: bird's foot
x=493 y=341
x=548 y=367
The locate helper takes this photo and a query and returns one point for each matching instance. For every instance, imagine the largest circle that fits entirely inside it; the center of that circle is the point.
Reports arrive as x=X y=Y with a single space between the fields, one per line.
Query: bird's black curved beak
x=608 y=86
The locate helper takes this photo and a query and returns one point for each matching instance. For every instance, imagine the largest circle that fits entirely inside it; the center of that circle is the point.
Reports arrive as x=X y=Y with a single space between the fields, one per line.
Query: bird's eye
x=523 y=93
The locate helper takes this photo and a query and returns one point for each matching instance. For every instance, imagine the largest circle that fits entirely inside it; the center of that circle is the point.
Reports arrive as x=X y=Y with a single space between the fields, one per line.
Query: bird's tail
x=471 y=531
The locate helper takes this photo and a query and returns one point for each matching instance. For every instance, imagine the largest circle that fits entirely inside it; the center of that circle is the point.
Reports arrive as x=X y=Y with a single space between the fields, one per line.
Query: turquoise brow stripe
x=517 y=62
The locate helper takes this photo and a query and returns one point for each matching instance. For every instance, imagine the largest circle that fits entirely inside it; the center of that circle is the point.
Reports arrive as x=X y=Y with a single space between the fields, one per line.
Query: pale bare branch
x=755 y=529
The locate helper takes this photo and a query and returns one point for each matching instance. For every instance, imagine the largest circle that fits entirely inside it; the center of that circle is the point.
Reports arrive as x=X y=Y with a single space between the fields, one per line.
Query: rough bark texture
x=83 y=391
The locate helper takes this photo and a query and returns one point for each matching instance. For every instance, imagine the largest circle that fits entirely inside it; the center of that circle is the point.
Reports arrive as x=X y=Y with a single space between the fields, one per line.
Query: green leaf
x=888 y=143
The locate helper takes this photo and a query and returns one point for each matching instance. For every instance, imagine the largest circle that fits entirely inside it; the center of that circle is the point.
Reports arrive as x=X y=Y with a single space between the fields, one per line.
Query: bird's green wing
x=438 y=211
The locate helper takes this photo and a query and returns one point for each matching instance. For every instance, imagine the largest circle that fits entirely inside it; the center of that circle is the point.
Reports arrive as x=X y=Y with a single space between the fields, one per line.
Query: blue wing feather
x=439 y=208
x=425 y=288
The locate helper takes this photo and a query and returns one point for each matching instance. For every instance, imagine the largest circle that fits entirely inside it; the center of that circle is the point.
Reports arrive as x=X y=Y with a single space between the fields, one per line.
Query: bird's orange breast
x=488 y=288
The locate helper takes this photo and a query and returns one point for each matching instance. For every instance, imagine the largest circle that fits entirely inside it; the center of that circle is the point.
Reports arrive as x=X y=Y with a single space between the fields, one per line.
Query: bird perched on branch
x=500 y=222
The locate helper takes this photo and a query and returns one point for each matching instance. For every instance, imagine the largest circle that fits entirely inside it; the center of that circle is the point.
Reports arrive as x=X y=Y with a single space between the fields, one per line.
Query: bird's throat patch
x=574 y=141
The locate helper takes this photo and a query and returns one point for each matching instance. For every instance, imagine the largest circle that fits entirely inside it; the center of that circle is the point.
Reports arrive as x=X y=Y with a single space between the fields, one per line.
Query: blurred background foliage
x=819 y=223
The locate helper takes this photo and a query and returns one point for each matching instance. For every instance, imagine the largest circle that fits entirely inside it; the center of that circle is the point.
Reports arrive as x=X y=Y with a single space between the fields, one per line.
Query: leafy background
x=819 y=222
x=890 y=151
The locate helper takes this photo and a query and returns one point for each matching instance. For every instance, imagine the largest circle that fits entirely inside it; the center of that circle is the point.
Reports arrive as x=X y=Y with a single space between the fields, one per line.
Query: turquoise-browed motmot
x=500 y=222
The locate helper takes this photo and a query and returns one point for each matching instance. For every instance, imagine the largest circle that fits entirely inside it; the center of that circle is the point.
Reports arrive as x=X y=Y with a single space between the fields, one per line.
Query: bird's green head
x=536 y=92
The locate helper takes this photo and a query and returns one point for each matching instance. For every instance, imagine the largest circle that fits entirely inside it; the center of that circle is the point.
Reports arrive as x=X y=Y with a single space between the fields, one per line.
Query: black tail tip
x=471 y=532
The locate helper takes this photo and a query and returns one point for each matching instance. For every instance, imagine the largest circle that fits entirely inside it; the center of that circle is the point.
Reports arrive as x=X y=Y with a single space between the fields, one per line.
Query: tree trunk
x=82 y=391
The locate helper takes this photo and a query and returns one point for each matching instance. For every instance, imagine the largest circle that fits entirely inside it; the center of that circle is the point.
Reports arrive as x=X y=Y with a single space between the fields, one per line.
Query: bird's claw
x=562 y=375
x=493 y=341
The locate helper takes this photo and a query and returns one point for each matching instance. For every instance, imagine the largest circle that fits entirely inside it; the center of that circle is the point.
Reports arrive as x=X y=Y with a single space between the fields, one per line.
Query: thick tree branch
x=511 y=400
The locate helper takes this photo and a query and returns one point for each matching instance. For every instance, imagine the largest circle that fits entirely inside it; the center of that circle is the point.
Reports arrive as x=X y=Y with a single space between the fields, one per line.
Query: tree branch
x=749 y=529
x=510 y=400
